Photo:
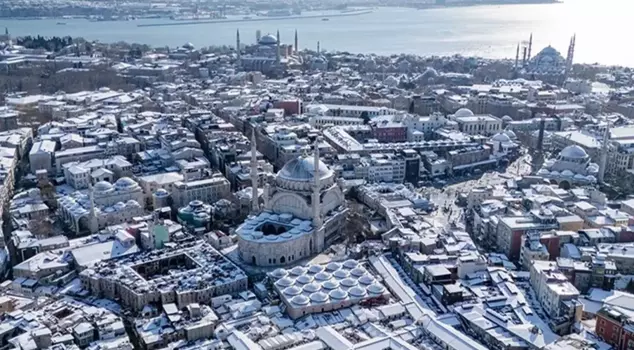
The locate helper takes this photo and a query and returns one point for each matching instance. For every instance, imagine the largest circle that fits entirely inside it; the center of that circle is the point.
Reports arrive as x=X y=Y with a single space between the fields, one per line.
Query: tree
x=366 y=117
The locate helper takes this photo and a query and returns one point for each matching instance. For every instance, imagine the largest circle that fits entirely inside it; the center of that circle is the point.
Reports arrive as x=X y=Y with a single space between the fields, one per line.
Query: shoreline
x=260 y=19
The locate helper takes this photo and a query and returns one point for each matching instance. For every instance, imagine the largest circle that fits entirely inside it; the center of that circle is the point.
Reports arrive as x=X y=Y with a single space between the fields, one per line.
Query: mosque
x=104 y=204
x=304 y=210
x=268 y=55
x=548 y=65
x=571 y=167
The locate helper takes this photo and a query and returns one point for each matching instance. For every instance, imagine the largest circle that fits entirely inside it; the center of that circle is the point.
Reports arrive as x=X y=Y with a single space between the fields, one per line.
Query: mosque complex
x=303 y=212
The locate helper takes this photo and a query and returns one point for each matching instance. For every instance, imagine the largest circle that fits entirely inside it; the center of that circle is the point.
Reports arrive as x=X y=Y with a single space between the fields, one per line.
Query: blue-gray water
x=603 y=30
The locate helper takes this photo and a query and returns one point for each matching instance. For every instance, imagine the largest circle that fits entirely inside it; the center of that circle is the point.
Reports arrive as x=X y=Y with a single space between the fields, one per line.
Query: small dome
x=333 y=266
x=543 y=172
x=279 y=273
x=292 y=291
x=591 y=178
x=124 y=183
x=579 y=177
x=338 y=294
x=300 y=300
x=102 y=186
x=358 y=271
x=268 y=39
x=357 y=292
x=311 y=287
x=593 y=168
x=510 y=133
x=376 y=289
x=554 y=173
x=500 y=137
x=330 y=285
x=567 y=173
x=574 y=152
x=304 y=279
x=319 y=297
x=298 y=270
x=349 y=282
x=316 y=268
x=350 y=264
x=323 y=276
x=507 y=118
x=285 y=282
x=366 y=279
x=341 y=274
x=463 y=112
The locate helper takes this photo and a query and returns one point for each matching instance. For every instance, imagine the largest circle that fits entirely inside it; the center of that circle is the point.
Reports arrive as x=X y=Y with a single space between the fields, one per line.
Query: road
x=446 y=196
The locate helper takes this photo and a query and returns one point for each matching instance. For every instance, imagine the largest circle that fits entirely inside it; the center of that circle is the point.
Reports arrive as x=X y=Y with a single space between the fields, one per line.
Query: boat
x=325 y=19
x=61 y=23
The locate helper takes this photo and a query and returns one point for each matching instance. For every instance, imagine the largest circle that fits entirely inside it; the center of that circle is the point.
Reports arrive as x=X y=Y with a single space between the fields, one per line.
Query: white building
x=41 y=156
x=472 y=124
x=551 y=287
x=206 y=190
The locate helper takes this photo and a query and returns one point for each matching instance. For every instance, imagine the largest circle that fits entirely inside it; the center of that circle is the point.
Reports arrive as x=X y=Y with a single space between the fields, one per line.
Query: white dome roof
x=500 y=137
x=574 y=152
x=319 y=297
x=312 y=287
x=302 y=169
x=357 y=292
x=376 y=289
x=323 y=276
x=333 y=266
x=102 y=186
x=279 y=273
x=591 y=178
x=268 y=39
x=292 y=291
x=285 y=282
x=304 y=279
x=330 y=285
x=338 y=294
x=341 y=274
x=300 y=300
x=507 y=118
x=298 y=270
x=463 y=112
x=350 y=264
x=358 y=271
x=349 y=282
x=510 y=133
x=315 y=268
x=567 y=173
x=125 y=182
x=366 y=279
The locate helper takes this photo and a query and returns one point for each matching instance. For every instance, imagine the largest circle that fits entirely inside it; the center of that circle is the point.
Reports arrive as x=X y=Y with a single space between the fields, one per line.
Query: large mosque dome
x=268 y=39
x=300 y=172
x=574 y=152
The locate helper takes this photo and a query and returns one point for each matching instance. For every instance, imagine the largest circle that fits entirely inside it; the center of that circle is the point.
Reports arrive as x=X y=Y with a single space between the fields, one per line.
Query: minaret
x=92 y=201
x=277 y=53
x=517 y=56
x=604 y=154
x=296 y=46
x=254 y=175
x=524 y=57
x=318 y=50
x=570 y=57
x=530 y=47
x=238 y=44
x=316 y=189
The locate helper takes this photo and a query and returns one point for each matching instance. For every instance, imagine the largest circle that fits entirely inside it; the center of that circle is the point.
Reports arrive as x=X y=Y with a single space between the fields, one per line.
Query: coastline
x=257 y=19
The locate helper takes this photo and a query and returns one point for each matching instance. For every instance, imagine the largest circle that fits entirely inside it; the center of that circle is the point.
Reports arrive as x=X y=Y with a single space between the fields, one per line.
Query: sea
x=602 y=27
